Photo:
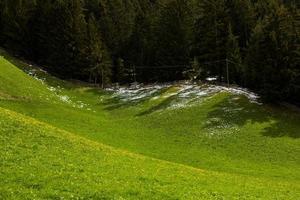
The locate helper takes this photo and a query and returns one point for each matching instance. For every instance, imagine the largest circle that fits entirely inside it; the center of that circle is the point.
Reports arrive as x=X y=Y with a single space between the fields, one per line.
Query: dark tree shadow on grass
x=286 y=124
x=117 y=102
x=237 y=111
x=110 y=102
x=162 y=105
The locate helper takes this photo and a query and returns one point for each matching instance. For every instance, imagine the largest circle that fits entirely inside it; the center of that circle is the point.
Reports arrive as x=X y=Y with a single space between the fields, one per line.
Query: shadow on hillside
x=163 y=104
x=114 y=103
x=117 y=102
x=50 y=78
x=236 y=112
x=110 y=102
x=287 y=124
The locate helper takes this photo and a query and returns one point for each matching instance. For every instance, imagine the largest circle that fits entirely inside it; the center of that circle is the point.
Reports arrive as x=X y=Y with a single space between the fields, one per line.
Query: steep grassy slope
x=41 y=161
x=14 y=84
x=246 y=150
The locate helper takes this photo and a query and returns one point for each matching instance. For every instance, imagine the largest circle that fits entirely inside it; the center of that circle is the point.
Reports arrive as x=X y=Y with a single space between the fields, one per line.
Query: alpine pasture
x=181 y=140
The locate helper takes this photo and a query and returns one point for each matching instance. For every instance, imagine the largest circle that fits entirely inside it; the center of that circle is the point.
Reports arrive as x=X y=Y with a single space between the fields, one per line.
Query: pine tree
x=294 y=90
x=211 y=27
x=77 y=34
x=243 y=19
x=253 y=74
x=233 y=57
x=14 y=23
x=120 y=73
x=99 y=61
x=59 y=36
x=84 y=38
x=271 y=54
x=1 y=21
x=174 y=34
x=116 y=19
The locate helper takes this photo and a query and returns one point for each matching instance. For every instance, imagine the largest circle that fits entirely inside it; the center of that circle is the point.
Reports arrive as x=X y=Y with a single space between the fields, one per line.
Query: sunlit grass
x=221 y=146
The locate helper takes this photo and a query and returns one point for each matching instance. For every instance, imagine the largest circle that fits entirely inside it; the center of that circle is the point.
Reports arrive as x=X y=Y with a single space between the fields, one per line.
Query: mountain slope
x=41 y=161
x=52 y=135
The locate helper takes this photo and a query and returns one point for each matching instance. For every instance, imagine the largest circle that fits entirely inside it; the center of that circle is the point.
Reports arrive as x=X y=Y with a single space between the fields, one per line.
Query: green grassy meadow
x=66 y=140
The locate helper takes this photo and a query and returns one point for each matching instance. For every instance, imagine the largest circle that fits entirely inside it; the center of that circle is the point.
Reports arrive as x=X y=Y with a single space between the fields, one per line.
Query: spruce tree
x=15 y=15
x=270 y=57
x=211 y=27
x=233 y=57
x=174 y=34
x=242 y=18
x=99 y=61
x=59 y=32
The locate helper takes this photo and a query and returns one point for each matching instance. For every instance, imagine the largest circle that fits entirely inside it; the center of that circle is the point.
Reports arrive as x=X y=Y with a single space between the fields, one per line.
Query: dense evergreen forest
x=107 y=41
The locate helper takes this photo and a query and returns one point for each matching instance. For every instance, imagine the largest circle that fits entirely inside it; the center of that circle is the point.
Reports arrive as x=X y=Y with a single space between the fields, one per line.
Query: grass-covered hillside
x=167 y=141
